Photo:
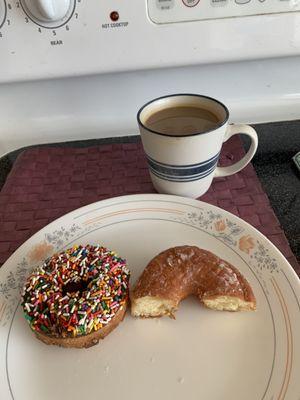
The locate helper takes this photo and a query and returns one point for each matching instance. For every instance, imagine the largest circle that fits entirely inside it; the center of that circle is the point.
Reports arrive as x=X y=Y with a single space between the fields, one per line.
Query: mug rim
x=179 y=95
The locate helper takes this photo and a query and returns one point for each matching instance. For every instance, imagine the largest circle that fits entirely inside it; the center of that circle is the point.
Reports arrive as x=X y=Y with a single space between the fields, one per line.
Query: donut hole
x=74 y=287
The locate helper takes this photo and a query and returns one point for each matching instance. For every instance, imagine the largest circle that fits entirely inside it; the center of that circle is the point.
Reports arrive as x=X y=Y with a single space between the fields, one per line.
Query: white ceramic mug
x=185 y=165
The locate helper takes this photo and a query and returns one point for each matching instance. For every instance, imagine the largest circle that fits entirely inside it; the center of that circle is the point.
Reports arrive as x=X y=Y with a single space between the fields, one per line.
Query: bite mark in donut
x=181 y=271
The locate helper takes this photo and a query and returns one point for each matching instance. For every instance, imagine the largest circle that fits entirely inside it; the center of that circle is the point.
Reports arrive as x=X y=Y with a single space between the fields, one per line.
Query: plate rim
x=163 y=197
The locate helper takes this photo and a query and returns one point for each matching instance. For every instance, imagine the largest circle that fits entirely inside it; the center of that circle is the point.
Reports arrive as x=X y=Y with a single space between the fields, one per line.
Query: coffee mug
x=182 y=136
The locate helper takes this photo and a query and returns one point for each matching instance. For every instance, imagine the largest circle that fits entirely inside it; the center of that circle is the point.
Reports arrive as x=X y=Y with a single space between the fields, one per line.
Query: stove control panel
x=166 y=11
x=43 y=39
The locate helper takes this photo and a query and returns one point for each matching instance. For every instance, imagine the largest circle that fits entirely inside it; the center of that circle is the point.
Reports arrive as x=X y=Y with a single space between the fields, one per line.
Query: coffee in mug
x=176 y=121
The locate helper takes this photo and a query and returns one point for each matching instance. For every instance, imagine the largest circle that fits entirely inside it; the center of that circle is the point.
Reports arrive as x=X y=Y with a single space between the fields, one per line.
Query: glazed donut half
x=188 y=270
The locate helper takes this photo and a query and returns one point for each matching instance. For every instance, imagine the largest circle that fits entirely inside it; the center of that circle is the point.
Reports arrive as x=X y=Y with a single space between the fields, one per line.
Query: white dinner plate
x=202 y=355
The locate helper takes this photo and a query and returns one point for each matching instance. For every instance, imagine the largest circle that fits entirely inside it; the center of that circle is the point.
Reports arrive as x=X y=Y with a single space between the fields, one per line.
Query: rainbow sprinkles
x=76 y=292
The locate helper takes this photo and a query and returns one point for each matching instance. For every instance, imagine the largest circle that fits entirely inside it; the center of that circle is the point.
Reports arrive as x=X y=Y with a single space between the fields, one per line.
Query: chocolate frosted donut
x=77 y=297
x=187 y=270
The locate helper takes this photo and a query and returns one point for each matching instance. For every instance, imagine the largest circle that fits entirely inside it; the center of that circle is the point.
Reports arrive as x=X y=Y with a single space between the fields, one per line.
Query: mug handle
x=239 y=165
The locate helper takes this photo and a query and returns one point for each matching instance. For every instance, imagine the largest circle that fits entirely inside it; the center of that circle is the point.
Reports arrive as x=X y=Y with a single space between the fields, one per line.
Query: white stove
x=74 y=69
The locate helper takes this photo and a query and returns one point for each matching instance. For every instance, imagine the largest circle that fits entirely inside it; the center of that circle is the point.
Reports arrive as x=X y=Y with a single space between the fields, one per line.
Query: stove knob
x=48 y=10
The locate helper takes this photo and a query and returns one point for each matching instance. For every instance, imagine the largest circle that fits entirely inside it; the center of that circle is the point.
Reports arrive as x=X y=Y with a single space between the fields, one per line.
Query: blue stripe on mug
x=182 y=179
x=183 y=173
